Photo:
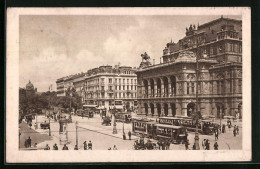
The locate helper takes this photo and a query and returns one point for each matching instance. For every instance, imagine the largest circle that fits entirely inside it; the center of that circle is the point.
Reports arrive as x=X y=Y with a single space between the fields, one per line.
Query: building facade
x=169 y=88
x=103 y=86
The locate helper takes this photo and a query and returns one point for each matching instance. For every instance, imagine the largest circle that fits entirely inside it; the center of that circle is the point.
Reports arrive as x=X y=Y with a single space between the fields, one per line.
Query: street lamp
x=49 y=126
x=114 y=124
x=77 y=133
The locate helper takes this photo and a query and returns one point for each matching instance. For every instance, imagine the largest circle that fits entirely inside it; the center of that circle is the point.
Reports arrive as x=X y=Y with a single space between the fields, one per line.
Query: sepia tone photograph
x=142 y=82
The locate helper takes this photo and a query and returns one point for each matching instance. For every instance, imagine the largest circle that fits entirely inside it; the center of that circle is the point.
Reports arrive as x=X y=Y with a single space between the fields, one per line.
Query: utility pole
x=49 y=126
x=77 y=133
x=36 y=126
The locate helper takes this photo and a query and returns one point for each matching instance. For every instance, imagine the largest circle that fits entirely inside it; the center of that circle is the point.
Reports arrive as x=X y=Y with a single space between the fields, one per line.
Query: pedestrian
x=124 y=137
x=216 y=135
x=207 y=145
x=47 y=147
x=159 y=144
x=216 y=146
x=65 y=147
x=90 y=145
x=234 y=132
x=187 y=144
x=115 y=148
x=55 y=147
x=129 y=135
x=163 y=145
x=85 y=145
x=29 y=142
x=194 y=147
x=223 y=128
x=35 y=145
x=76 y=147
x=109 y=148
x=203 y=143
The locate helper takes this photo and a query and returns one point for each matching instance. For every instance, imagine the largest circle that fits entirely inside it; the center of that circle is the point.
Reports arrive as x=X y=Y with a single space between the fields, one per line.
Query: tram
x=144 y=127
x=204 y=126
x=175 y=134
x=89 y=110
x=123 y=117
x=151 y=129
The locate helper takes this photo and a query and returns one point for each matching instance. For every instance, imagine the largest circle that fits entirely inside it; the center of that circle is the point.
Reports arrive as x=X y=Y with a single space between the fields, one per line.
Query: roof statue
x=145 y=60
x=145 y=57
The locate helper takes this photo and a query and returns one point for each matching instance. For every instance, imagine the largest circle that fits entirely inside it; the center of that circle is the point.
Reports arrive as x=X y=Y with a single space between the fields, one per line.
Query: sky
x=53 y=46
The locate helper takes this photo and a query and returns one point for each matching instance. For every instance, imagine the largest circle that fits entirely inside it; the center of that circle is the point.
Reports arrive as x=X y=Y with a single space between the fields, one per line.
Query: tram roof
x=173 y=118
x=169 y=126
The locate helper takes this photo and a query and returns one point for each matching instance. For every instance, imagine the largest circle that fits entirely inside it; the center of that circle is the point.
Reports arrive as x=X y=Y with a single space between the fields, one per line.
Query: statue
x=145 y=57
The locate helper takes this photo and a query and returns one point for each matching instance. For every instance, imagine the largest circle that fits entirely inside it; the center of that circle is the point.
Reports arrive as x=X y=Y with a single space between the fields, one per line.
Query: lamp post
x=114 y=124
x=49 y=126
x=196 y=138
x=77 y=133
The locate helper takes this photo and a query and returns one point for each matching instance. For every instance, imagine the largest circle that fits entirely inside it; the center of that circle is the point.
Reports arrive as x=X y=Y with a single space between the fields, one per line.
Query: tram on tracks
x=152 y=129
x=124 y=117
x=204 y=126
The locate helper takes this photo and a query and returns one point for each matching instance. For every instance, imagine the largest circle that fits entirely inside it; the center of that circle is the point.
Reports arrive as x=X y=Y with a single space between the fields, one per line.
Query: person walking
x=203 y=143
x=129 y=135
x=223 y=128
x=187 y=144
x=235 y=131
x=216 y=135
x=76 y=147
x=207 y=145
x=29 y=141
x=65 y=147
x=85 y=145
x=216 y=146
x=89 y=145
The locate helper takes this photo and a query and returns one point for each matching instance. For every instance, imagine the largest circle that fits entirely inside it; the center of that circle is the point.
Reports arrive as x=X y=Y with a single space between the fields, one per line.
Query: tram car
x=175 y=134
x=89 y=110
x=123 y=117
x=144 y=127
x=204 y=126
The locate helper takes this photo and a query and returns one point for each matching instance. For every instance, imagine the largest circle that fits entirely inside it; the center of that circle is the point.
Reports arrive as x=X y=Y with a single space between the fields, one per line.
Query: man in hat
x=90 y=145
x=65 y=147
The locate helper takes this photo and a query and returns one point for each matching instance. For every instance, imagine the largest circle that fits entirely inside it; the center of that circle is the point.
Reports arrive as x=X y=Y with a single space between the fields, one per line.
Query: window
x=218 y=87
x=110 y=103
x=115 y=87
x=123 y=80
x=110 y=80
x=131 y=81
x=119 y=80
x=214 y=50
x=115 y=80
x=135 y=87
x=103 y=103
x=124 y=87
x=127 y=87
x=110 y=87
x=131 y=87
x=222 y=87
x=102 y=95
x=119 y=87
x=123 y=94
x=192 y=88
x=102 y=87
x=127 y=80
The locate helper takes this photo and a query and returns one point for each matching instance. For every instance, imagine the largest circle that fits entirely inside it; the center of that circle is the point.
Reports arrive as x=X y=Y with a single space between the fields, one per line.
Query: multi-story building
x=103 y=86
x=169 y=88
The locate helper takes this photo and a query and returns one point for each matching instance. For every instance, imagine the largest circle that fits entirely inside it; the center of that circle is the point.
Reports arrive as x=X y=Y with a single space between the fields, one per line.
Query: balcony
x=110 y=91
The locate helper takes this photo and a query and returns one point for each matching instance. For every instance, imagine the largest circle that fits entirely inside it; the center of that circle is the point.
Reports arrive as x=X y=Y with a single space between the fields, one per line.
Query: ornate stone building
x=169 y=88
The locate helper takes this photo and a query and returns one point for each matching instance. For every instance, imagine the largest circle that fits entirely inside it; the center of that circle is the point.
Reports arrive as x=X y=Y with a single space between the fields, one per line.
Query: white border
x=12 y=81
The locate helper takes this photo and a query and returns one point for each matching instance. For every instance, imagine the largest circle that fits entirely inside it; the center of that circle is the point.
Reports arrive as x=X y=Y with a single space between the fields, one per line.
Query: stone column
x=178 y=108
x=169 y=110
x=155 y=110
x=162 y=87
x=185 y=88
x=155 y=88
x=184 y=109
x=236 y=86
x=169 y=87
x=149 y=89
